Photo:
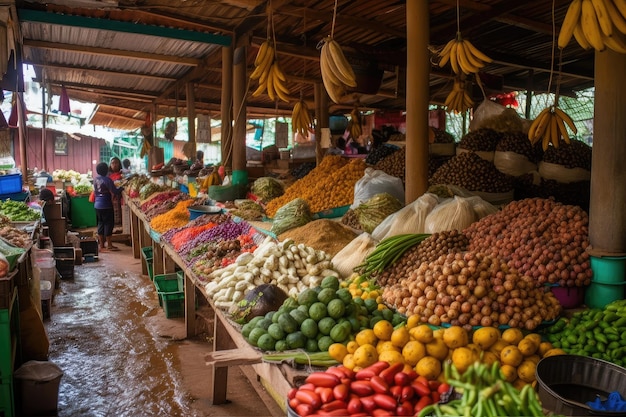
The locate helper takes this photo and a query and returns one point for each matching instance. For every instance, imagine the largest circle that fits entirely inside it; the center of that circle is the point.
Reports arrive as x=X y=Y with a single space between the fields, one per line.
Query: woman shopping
x=105 y=191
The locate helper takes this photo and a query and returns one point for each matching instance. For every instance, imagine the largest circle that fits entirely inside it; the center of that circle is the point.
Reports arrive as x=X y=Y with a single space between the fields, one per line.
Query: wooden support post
x=190 y=307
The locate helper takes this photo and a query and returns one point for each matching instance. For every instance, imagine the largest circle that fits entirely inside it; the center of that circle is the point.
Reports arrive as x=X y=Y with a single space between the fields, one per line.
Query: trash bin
x=37 y=388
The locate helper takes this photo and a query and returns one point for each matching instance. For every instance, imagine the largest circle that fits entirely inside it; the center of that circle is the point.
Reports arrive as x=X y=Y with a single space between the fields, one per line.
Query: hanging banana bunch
x=597 y=24
x=459 y=100
x=271 y=78
x=550 y=127
x=337 y=73
x=301 y=118
x=463 y=56
x=145 y=148
x=354 y=125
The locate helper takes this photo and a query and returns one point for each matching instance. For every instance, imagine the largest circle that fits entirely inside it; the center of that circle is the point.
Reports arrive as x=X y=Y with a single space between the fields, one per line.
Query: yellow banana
x=562 y=129
x=261 y=53
x=464 y=63
x=278 y=72
x=606 y=25
x=620 y=5
x=590 y=26
x=619 y=22
x=474 y=51
x=545 y=139
x=615 y=42
x=264 y=64
x=580 y=37
x=271 y=92
x=471 y=58
x=565 y=117
x=454 y=58
x=538 y=126
x=554 y=130
x=260 y=89
x=571 y=20
x=346 y=72
x=330 y=71
x=445 y=53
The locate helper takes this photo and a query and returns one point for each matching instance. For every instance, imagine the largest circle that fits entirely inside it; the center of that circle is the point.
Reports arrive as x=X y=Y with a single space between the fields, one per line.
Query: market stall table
x=229 y=346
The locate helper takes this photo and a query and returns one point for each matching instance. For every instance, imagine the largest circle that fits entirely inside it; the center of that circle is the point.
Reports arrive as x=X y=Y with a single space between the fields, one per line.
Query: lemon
x=365 y=356
x=413 y=351
x=422 y=333
x=366 y=337
x=400 y=336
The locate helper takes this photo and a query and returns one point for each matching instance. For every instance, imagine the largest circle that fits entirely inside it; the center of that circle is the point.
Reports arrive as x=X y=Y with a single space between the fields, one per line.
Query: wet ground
x=122 y=357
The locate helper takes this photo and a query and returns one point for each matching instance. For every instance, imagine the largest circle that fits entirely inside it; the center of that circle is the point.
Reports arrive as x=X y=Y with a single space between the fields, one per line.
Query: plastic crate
x=171 y=291
x=146 y=253
x=82 y=212
x=10 y=184
x=7 y=405
x=64 y=253
x=89 y=246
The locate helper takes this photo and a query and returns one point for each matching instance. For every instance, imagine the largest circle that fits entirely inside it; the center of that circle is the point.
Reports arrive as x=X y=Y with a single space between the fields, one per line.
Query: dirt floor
x=121 y=356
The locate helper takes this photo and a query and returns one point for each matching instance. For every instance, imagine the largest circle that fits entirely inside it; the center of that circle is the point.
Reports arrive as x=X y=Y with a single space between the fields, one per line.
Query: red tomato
x=389 y=373
x=401 y=379
x=365 y=373
x=309 y=387
x=309 y=397
x=379 y=385
x=420 y=389
x=341 y=392
x=405 y=409
x=355 y=405
x=423 y=402
x=322 y=379
x=443 y=388
x=292 y=393
x=334 y=405
x=326 y=394
x=335 y=370
x=368 y=403
x=378 y=367
x=361 y=388
x=304 y=410
x=386 y=402
x=396 y=392
x=293 y=403
x=407 y=393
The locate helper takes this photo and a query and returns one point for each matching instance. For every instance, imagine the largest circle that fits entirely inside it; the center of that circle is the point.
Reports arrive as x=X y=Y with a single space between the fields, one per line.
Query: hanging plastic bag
x=375 y=181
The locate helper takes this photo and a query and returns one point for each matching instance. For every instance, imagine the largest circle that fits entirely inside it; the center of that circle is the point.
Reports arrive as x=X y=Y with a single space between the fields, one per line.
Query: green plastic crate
x=7 y=403
x=82 y=212
x=171 y=291
x=146 y=252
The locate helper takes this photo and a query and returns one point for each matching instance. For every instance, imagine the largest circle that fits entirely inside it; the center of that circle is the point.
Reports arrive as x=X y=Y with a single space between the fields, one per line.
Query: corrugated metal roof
x=86 y=46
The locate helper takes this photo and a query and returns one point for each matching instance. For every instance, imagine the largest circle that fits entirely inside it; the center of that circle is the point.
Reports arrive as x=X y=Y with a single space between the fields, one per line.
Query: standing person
x=125 y=167
x=115 y=169
x=105 y=190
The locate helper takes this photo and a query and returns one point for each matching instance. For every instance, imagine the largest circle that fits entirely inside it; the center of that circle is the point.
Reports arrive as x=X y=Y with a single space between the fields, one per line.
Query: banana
x=620 y=5
x=591 y=26
x=476 y=53
x=619 y=22
x=472 y=58
x=464 y=63
x=271 y=92
x=264 y=64
x=347 y=75
x=606 y=25
x=445 y=53
x=562 y=129
x=580 y=38
x=538 y=126
x=545 y=139
x=260 y=89
x=554 y=131
x=261 y=53
x=571 y=20
x=454 y=58
x=332 y=73
x=565 y=117
x=615 y=42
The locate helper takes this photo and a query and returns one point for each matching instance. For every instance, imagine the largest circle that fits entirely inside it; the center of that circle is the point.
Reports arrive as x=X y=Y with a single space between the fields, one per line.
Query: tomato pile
x=380 y=389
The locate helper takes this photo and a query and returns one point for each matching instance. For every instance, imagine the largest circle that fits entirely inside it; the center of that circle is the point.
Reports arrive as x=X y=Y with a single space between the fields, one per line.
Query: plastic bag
x=353 y=254
x=453 y=214
x=375 y=181
x=562 y=174
x=409 y=219
x=512 y=163
x=484 y=111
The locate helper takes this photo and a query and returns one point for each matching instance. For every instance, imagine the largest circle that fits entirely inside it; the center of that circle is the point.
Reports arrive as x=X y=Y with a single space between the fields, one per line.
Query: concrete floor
x=122 y=357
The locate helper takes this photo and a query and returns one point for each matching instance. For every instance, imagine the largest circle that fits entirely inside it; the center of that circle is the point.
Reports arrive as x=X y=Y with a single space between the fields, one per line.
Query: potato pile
x=470 y=171
x=518 y=142
x=541 y=238
x=472 y=289
x=431 y=248
x=393 y=164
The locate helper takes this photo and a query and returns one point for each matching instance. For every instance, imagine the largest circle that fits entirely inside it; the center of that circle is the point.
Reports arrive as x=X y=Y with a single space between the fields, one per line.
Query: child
x=105 y=190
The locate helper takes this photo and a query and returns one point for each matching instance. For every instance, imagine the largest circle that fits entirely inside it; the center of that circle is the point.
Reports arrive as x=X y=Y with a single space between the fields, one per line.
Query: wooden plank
x=233 y=357
x=190 y=307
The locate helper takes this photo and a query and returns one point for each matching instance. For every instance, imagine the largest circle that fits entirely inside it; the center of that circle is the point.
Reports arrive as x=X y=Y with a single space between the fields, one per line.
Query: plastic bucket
x=197 y=211
x=569 y=297
x=599 y=294
x=240 y=177
x=566 y=382
x=38 y=388
x=608 y=269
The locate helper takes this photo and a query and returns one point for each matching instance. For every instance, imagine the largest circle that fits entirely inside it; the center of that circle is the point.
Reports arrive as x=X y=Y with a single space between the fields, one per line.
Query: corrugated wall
x=78 y=154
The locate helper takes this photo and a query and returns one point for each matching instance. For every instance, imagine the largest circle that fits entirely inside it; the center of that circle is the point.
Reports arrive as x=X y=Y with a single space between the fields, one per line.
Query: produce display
x=302 y=170
x=518 y=143
x=463 y=56
x=292 y=267
x=459 y=99
x=16 y=237
x=394 y=164
x=293 y=214
x=176 y=217
x=550 y=128
x=379 y=153
x=66 y=175
x=484 y=140
x=576 y=154
x=472 y=289
x=329 y=185
x=321 y=234
x=271 y=78
x=301 y=118
x=350 y=219
x=470 y=171
x=248 y=210
x=267 y=188
x=599 y=333
x=18 y=211
x=539 y=238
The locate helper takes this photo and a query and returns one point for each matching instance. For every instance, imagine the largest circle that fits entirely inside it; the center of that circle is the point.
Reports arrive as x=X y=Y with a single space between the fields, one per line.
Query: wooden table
x=229 y=346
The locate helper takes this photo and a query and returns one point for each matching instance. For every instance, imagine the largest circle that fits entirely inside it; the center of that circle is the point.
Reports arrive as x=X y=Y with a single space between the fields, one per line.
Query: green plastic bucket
x=608 y=269
x=599 y=294
x=240 y=177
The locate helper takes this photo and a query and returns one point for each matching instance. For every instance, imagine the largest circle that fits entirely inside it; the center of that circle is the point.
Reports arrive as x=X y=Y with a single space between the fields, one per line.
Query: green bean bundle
x=388 y=251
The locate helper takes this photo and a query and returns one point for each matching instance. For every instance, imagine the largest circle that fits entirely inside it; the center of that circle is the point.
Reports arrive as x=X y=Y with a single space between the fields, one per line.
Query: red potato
x=323 y=379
